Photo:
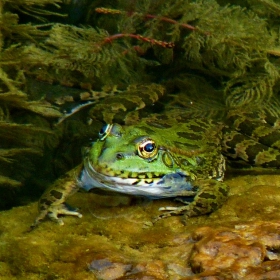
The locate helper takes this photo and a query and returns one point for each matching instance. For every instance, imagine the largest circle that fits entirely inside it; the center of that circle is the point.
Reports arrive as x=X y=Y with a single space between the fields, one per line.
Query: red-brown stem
x=169 y=20
x=148 y=16
x=102 y=10
x=140 y=37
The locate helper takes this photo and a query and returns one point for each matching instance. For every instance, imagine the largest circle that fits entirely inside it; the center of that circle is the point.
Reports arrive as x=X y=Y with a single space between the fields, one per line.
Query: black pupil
x=103 y=130
x=149 y=147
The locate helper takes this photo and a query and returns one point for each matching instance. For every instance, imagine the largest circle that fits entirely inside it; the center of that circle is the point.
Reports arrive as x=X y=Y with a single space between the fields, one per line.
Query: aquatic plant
x=24 y=132
x=175 y=44
x=228 y=42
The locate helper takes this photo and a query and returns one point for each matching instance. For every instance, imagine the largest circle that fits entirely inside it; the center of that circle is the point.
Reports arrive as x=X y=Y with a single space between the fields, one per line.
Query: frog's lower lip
x=157 y=188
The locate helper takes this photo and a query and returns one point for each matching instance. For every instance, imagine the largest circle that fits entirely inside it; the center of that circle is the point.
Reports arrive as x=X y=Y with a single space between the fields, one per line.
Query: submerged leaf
x=43 y=108
x=8 y=182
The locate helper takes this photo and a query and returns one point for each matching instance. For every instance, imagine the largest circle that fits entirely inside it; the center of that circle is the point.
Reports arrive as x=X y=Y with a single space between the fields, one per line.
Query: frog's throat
x=169 y=185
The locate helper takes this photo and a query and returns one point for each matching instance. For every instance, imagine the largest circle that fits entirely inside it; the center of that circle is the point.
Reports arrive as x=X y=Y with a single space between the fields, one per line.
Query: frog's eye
x=104 y=131
x=147 y=148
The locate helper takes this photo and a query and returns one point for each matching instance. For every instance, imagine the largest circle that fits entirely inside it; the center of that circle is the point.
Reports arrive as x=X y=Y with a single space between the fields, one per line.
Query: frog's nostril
x=119 y=156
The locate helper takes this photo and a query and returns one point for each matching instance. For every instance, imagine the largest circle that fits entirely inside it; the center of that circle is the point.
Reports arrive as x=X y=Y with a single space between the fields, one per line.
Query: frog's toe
x=170 y=211
x=53 y=217
x=162 y=216
x=43 y=213
x=62 y=209
x=167 y=208
x=173 y=210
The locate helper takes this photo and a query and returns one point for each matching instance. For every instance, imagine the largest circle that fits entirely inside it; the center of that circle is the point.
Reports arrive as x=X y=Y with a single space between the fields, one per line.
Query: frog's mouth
x=169 y=185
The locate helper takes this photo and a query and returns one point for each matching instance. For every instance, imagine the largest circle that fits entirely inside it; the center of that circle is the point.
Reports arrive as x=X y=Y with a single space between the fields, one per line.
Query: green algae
x=120 y=235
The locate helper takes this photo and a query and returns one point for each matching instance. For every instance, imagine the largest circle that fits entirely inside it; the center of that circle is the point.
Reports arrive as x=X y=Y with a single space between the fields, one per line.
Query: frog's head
x=135 y=159
x=130 y=152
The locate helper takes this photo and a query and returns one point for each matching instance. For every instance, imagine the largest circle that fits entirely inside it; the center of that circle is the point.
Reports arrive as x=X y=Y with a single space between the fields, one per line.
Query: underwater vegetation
x=58 y=53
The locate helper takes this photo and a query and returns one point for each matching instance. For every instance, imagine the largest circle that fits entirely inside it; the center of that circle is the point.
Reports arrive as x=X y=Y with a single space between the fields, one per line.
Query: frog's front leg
x=52 y=202
x=210 y=196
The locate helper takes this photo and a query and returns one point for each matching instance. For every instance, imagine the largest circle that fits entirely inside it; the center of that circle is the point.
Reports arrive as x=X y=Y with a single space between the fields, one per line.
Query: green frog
x=168 y=155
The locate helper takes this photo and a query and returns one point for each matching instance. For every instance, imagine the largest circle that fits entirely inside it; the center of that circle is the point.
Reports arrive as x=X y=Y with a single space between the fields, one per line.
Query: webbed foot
x=53 y=212
x=209 y=198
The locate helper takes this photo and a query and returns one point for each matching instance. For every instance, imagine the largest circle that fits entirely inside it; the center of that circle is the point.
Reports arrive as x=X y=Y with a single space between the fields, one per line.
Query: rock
x=241 y=251
x=116 y=240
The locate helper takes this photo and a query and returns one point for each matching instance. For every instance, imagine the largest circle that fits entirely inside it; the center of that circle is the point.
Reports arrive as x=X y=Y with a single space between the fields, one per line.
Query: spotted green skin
x=192 y=149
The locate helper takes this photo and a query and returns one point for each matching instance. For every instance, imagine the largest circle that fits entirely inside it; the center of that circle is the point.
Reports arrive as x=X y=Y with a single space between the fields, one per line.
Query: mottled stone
x=237 y=250
x=108 y=270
